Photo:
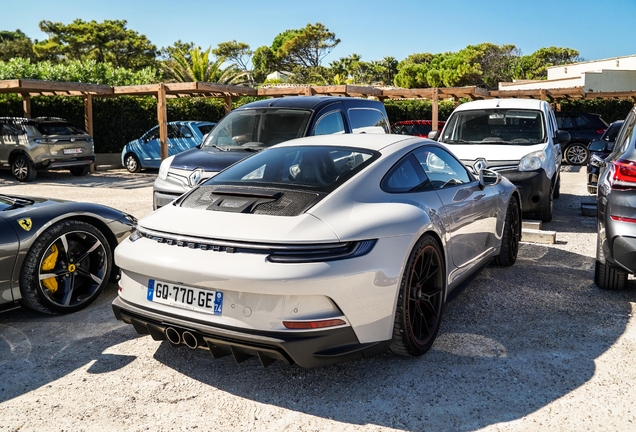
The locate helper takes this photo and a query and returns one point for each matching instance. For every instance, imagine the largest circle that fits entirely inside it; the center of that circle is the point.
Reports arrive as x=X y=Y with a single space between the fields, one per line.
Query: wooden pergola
x=163 y=91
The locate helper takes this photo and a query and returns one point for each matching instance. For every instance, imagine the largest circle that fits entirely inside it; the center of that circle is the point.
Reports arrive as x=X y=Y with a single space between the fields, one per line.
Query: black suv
x=583 y=128
x=258 y=125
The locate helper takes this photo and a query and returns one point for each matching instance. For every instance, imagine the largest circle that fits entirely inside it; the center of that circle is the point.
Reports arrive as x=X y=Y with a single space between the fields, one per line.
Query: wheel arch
x=16 y=153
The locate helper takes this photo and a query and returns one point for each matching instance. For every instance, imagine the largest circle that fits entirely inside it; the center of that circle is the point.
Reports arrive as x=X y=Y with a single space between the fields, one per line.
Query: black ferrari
x=57 y=256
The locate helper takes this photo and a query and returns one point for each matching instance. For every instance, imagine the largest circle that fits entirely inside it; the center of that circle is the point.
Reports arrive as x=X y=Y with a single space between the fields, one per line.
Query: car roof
x=306 y=102
x=375 y=142
x=502 y=103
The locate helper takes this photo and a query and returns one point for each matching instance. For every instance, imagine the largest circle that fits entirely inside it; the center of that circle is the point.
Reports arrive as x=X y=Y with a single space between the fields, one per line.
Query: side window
x=405 y=176
x=152 y=134
x=185 y=132
x=580 y=121
x=626 y=133
x=441 y=168
x=330 y=123
x=174 y=132
x=368 y=120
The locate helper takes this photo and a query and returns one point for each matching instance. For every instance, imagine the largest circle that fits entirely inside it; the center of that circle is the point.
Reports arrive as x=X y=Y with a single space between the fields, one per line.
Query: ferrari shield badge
x=26 y=224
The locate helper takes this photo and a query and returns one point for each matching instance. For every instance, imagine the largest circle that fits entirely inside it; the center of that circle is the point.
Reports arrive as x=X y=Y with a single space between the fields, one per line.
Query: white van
x=517 y=138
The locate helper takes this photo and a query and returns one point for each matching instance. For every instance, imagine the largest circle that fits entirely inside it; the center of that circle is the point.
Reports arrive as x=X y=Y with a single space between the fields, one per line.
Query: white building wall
x=576 y=69
x=609 y=80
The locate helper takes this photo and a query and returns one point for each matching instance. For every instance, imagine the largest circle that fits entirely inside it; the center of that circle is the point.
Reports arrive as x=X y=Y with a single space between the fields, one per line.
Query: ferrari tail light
x=308 y=325
x=623 y=174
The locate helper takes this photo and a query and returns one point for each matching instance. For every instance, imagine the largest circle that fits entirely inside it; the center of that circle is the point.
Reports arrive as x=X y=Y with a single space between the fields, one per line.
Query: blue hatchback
x=145 y=152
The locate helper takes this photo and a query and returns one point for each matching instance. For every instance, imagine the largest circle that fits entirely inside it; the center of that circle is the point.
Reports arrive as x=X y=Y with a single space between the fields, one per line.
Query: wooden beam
x=37 y=86
x=162 y=117
x=26 y=105
x=435 y=109
x=88 y=114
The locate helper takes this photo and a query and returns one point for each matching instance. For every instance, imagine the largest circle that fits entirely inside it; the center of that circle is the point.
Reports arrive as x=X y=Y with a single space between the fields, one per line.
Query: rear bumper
x=65 y=163
x=307 y=349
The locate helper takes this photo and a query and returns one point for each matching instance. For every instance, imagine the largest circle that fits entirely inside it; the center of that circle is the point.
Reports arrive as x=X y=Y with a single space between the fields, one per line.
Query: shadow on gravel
x=515 y=340
x=117 y=179
x=33 y=355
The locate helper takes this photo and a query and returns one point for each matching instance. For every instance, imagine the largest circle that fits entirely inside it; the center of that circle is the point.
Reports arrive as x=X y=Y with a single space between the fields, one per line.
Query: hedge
x=119 y=120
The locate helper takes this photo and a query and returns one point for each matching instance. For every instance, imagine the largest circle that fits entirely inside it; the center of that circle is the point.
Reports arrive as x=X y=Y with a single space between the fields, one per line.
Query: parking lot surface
x=535 y=346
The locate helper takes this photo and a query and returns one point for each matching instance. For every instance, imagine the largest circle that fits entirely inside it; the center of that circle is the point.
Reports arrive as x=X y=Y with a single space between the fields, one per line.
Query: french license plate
x=72 y=151
x=185 y=297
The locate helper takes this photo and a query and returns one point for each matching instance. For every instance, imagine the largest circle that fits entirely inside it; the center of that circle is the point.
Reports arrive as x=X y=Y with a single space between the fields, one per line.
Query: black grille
x=246 y=199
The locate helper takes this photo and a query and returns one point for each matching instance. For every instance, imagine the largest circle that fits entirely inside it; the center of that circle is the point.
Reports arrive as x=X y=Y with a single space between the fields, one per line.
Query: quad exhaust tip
x=190 y=340
x=173 y=336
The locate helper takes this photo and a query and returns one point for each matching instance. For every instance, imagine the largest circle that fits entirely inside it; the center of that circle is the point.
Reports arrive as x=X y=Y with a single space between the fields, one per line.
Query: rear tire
x=511 y=236
x=421 y=299
x=22 y=169
x=609 y=278
x=80 y=171
x=576 y=154
x=557 y=186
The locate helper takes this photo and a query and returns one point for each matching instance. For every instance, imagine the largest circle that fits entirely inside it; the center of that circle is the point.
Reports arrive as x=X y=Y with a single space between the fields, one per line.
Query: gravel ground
x=535 y=346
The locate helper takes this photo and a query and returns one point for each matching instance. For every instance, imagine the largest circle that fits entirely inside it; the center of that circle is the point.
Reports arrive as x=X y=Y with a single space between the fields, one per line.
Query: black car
x=583 y=128
x=57 y=256
x=616 y=201
x=599 y=151
x=261 y=124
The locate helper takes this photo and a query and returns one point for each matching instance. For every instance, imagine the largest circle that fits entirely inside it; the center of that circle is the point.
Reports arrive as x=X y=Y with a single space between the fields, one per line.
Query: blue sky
x=374 y=29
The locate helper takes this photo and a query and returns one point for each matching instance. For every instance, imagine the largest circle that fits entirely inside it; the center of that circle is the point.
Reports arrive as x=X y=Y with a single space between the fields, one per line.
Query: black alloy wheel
x=66 y=268
x=511 y=235
x=576 y=154
x=421 y=300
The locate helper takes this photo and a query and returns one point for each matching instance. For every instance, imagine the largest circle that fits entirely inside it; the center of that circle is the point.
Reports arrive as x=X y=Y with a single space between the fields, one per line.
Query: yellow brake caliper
x=47 y=265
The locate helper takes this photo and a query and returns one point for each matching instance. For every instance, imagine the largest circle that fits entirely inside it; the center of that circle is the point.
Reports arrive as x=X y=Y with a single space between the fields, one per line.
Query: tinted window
x=205 y=128
x=313 y=167
x=331 y=123
x=58 y=129
x=368 y=120
x=152 y=134
x=262 y=127
x=405 y=176
x=441 y=168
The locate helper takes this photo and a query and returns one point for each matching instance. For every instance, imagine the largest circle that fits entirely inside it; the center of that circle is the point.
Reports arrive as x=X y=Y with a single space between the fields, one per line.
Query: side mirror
x=489 y=178
x=434 y=135
x=598 y=146
x=563 y=136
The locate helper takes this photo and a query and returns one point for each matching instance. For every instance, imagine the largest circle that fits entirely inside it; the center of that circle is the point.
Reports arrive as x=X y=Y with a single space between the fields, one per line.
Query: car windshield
x=260 y=128
x=495 y=126
x=320 y=168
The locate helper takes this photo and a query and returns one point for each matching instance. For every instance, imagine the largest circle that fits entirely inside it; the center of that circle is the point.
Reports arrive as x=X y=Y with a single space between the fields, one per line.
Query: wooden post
x=162 y=116
x=88 y=113
x=543 y=94
x=228 y=104
x=26 y=105
x=558 y=105
x=88 y=120
x=435 y=109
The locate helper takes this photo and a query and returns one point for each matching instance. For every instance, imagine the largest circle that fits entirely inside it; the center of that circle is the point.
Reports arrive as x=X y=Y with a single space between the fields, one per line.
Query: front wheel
x=132 y=163
x=421 y=300
x=66 y=268
x=22 y=169
x=576 y=154
x=545 y=214
x=511 y=236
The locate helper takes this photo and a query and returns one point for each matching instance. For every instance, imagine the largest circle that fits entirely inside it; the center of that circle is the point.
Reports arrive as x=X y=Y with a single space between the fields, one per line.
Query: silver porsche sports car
x=56 y=256
x=317 y=250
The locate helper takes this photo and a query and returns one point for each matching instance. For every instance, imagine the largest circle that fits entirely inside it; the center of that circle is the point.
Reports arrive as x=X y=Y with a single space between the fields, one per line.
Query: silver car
x=29 y=145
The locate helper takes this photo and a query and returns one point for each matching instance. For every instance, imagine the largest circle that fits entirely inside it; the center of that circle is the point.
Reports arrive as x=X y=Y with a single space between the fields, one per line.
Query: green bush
x=609 y=109
x=399 y=110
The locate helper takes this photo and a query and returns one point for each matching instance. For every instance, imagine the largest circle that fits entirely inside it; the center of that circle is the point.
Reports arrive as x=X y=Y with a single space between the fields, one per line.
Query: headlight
x=532 y=161
x=165 y=166
x=135 y=235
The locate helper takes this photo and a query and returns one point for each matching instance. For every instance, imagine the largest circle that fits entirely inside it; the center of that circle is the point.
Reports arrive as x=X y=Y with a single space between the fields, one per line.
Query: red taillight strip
x=306 y=325
x=624 y=173
x=623 y=219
